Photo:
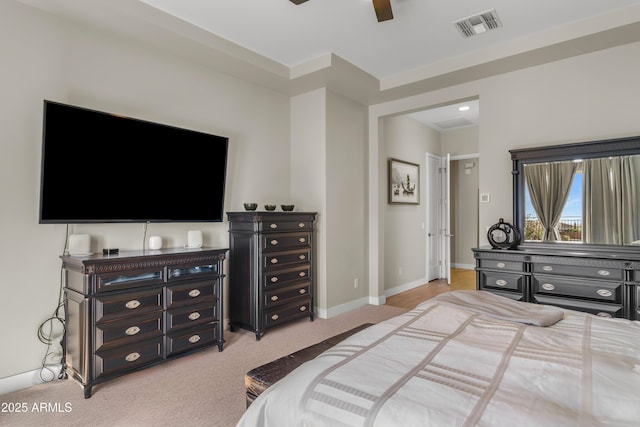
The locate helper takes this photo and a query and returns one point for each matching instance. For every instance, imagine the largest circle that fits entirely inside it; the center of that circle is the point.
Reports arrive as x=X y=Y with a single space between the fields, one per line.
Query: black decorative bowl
x=250 y=206
x=270 y=207
x=287 y=208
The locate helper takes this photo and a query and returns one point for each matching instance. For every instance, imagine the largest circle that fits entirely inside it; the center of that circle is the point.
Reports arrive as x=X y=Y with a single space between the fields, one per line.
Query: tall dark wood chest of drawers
x=604 y=281
x=271 y=269
x=135 y=309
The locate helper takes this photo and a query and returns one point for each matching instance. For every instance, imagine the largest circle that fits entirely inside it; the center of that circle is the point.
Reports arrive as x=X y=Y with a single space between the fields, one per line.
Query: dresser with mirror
x=591 y=263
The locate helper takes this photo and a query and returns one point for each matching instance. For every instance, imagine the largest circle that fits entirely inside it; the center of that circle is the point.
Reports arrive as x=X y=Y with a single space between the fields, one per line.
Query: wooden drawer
x=278 y=242
x=278 y=225
x=280 y=296
x=283 y=259
x=501 y=265
x=121 y=305
x=127 y=279
x=285 y=277
x=588 y=269
x=599 y=309
x=190 y=339
x=190 y=293
x=571 y=287
x=490 y=280
x=188 y=316
x=285 y=313
x=134 y=329
x=128 y=357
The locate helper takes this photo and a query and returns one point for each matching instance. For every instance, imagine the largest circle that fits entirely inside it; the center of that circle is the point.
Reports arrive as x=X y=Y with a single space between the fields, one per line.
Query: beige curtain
x=549 y=185
x=611 y=209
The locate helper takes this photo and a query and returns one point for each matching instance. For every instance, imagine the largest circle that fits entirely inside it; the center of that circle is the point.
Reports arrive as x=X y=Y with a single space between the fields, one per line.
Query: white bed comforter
x=442 y=364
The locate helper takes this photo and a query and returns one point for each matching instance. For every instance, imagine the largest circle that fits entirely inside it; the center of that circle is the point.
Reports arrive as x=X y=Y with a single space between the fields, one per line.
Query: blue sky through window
x=573 y=207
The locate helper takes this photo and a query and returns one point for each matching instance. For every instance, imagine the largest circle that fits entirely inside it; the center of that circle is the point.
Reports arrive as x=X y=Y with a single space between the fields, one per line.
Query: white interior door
x=445 y=219
x=433 y=207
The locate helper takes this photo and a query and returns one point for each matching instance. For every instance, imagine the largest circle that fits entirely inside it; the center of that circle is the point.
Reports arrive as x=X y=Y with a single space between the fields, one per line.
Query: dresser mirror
x=585 y=193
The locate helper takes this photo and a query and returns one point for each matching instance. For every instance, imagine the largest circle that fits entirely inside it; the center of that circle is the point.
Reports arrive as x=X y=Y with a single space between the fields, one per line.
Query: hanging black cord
x=46 y=335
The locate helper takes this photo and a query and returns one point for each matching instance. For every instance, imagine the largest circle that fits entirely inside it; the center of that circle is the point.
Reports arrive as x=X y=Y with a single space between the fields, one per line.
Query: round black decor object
x=503 y=235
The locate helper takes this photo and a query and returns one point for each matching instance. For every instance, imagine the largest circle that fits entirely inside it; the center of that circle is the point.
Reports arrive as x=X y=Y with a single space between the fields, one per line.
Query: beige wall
x=44 y=58
x=404 y=247
x=588 y=97
x=346 y=203
x=308 y=171
x=328 y=140
x=464 y=212
x=464 y=193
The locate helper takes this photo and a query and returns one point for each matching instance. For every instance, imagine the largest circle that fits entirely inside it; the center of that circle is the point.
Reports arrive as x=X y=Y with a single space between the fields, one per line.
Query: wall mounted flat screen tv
x=99 y=167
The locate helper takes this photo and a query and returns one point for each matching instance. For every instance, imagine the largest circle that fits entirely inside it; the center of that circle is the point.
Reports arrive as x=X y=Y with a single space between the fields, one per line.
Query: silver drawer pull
x=132 y=330
x=194 y=293
x=302 y=257
x=275 y=298
x=501 y=282
x=273 y=226
x=134 y=303
x=194 y=316
x=604 y=292
x=194 y=339
x=301 y=224
x=132 y=357
x=302 y=291
x=273 y=242
x=302 y=240
x=604 y=272
x=274 y=279
x=274 y=260
x=275 y=317
x=303 y=308
x=547 y=268
x=547 y=286
x=603 y=314
x=302 y=274
x=501 y=265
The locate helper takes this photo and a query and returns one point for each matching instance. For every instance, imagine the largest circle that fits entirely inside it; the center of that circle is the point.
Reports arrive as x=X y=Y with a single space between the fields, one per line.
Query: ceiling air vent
x=478 y=24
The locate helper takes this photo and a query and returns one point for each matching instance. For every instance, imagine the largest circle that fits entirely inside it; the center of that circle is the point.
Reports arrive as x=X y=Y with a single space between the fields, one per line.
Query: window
x=570 y=225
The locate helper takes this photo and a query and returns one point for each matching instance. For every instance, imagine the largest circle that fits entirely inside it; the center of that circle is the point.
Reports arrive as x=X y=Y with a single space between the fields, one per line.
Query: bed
x=467 y=358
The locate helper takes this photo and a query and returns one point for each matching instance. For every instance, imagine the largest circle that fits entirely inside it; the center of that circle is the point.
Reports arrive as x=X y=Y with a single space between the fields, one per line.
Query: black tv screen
x=99 y=167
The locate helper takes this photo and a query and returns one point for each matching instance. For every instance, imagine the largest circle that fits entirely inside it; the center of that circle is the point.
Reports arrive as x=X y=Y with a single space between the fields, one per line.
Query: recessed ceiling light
x=464 y=108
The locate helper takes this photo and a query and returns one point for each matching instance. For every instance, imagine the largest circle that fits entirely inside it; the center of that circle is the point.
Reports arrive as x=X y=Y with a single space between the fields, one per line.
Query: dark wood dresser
x=134 y=309
x=601 y=280
x=271 y=269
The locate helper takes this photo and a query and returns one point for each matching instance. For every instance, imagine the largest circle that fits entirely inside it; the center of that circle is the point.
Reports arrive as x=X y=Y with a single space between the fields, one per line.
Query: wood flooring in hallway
x=460 y=279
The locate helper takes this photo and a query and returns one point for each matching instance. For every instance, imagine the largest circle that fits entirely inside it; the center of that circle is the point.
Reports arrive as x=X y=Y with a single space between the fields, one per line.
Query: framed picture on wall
x=404 y=182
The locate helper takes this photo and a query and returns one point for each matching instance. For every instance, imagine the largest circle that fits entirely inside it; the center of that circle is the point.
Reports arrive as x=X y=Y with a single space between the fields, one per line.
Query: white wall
x=46 y=58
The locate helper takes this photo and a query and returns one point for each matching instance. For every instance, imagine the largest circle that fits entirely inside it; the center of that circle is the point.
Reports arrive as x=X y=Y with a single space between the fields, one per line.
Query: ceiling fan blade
x=383 y=10
x=297 y=1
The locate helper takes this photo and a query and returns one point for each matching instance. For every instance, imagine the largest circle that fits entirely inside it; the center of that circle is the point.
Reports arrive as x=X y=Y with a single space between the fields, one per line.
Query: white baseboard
x=342 y=308
x=464 y=266
x=28 y=379
x=405 y=287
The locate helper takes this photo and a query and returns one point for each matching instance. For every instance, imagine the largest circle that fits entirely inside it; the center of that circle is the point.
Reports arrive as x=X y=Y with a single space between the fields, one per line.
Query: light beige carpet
x=201 y=389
